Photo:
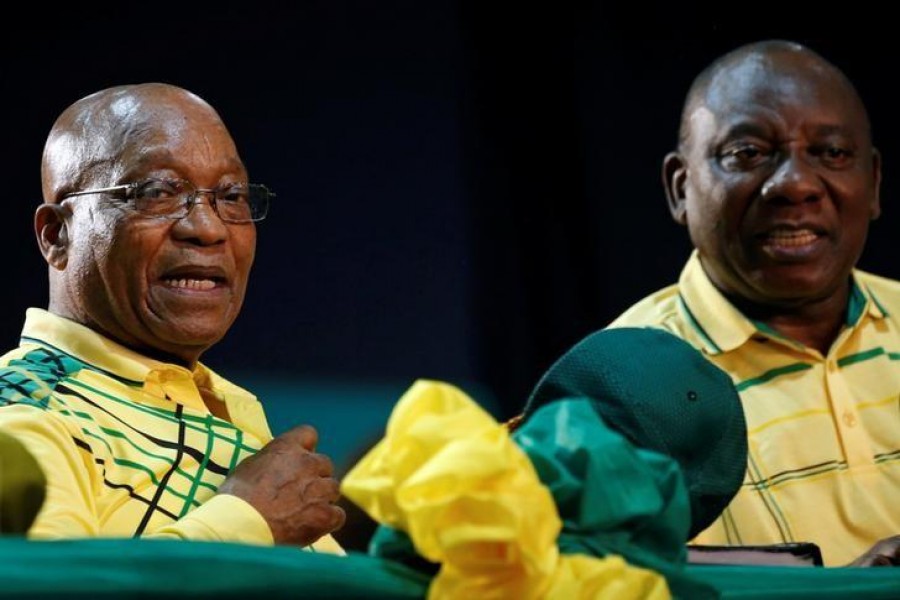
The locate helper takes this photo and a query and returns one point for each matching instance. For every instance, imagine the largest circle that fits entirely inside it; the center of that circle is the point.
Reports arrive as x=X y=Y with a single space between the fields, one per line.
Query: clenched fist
x=291 y=486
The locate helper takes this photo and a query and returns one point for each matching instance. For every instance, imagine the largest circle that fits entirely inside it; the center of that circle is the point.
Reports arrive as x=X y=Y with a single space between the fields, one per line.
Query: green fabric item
x=392 y=544
x=661 y=394
x=617 y=499
x=136 y=568
x=799 y=583
x=613 y=498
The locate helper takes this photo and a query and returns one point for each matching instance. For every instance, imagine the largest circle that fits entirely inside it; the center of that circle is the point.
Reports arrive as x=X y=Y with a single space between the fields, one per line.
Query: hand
x=885 y=553
x=291 y=486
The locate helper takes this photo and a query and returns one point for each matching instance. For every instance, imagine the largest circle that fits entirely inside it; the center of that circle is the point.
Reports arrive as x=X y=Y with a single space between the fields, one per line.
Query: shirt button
x=849 y=418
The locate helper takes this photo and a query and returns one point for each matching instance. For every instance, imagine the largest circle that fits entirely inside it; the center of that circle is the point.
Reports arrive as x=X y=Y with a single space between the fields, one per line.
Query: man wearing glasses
x=148 y=228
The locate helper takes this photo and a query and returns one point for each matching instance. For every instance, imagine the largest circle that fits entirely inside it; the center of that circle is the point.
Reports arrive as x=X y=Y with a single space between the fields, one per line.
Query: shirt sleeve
x=69 y=508
x=227 y=518
x=223 y=518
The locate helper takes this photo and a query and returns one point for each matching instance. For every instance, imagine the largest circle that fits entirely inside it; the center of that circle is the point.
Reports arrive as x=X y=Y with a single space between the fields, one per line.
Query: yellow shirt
x=824 y=431
x=127 y=444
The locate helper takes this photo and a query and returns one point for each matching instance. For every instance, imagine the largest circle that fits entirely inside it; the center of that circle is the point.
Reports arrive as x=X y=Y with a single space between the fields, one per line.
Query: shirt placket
x=847 y=422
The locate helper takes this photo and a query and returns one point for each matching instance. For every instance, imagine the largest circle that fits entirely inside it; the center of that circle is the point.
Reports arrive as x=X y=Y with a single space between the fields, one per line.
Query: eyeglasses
x=174 y=199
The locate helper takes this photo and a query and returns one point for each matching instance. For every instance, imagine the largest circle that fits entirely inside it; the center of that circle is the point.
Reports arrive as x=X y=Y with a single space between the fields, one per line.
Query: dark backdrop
x=465 y=188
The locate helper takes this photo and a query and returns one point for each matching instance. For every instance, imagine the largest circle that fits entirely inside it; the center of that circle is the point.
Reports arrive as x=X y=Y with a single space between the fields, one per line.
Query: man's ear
x=875 y=210
x=52 y=231
x=674 y=174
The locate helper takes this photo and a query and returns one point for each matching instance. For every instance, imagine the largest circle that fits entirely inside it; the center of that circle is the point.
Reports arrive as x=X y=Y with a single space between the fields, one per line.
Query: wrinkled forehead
x=129 y=133
x=141 y=133
x=781 y=90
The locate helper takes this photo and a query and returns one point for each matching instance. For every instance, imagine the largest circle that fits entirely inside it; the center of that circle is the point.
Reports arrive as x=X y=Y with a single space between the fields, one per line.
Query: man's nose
x=202 y=222
x=196 y=200
x=794 y=181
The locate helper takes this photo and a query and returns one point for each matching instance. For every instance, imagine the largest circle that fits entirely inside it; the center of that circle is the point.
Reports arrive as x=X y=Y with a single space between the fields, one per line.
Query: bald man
x=148 y=227
x=777 y=180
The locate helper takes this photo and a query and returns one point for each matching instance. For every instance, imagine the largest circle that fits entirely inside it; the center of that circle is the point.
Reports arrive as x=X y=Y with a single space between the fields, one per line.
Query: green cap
x=660 y=394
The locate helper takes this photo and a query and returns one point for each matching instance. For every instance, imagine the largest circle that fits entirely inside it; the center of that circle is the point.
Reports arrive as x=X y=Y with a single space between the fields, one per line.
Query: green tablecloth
x=173 y=569
x=131 y=568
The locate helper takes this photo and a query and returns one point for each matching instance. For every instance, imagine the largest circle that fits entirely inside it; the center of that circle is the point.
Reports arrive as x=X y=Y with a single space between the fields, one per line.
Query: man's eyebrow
x=163 y=160
x=155 y=160
x=744 y=128
x=832 y=129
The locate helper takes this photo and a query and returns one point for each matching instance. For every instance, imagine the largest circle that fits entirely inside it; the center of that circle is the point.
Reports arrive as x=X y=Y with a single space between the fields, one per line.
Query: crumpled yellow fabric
x=451 y=477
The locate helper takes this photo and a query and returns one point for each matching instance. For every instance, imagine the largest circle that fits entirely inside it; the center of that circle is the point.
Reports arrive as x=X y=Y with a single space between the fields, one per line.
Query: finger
x=321 y=489
x=322 y=521
x=304 y=435
x=311 y=464
x=324 y=466
x=333 y=489
x=339 y=517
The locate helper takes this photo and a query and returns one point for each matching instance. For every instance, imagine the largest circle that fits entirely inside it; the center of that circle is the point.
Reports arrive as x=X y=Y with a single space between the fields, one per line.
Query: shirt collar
x=157 y=378
x=720 y=327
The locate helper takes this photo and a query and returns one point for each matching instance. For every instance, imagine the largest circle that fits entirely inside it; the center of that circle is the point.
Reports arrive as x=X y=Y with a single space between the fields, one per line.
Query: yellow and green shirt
x=823 y=431
x=127 y=444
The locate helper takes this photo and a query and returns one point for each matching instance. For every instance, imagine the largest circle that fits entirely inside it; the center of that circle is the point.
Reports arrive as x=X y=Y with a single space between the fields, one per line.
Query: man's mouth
x=790 y=238
x=792 y=243
x=194 y=278
x=191 y=284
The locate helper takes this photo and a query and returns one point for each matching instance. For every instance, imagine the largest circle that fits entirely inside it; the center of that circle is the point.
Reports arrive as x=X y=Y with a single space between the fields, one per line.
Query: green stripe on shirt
x=772 y=374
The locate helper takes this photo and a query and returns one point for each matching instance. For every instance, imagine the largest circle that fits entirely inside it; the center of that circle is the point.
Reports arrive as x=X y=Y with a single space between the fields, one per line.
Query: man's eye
x=746 y=152
x=837 y=153
x=234 y=194
x=156 y=190
x=742 y=156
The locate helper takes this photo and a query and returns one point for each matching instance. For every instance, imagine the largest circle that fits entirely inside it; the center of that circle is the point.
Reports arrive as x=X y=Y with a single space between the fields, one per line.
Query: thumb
x=305 y=435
